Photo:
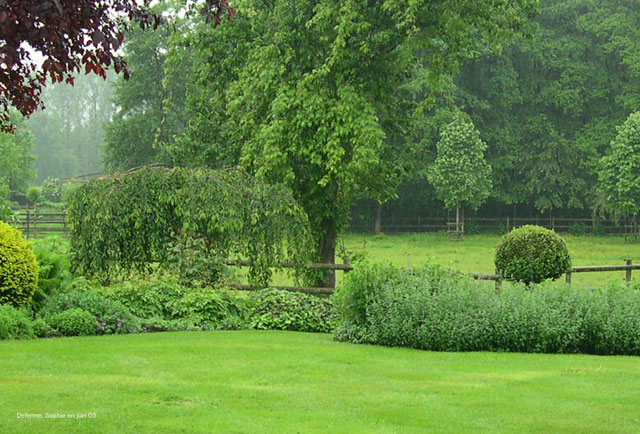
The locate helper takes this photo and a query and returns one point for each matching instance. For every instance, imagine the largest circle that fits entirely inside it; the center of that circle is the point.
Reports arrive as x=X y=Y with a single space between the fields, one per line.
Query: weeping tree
x=129 y=222
x=460 y=173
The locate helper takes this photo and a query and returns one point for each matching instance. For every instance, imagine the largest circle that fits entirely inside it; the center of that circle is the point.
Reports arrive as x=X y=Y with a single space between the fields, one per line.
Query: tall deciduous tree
x=314 y=82
x=619 y=175
x=460 y=173
x=140 y=120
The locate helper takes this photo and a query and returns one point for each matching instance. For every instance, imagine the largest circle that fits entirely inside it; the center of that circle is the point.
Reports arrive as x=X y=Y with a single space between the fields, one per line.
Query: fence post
x=508 y=229
x=628 y=274
x=28 y=221
x=35 y=220
x=498 y=281
x=569 y=277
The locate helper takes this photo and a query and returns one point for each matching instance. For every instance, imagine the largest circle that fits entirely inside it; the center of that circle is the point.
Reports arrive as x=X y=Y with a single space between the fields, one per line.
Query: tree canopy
x=460 y=173
x=309 y=90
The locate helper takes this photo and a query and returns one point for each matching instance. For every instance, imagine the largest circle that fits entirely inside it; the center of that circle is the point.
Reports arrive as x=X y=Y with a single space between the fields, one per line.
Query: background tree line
x=346 y=103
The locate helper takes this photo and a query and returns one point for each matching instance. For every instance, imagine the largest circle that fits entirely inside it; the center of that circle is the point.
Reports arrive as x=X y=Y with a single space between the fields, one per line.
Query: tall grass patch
x=433 y=308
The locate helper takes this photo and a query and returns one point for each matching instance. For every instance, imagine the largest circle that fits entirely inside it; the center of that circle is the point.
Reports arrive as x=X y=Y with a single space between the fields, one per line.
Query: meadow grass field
x=288 y=382
x=476 y=253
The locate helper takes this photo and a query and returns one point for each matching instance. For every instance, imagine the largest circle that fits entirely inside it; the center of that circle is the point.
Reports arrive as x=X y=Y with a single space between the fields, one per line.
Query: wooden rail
x=31 y=221
x=504 y=224
x=628 y=267
x=346 y=267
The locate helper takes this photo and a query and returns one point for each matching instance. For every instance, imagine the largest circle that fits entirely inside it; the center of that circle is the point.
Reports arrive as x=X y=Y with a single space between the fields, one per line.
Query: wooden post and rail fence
x=32 y=220
x=44 y=220
x=346 y=267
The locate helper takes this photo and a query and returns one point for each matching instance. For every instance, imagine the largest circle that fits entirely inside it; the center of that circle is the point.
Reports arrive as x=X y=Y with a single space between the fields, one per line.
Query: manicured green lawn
x=285 y=382
x=476 y=252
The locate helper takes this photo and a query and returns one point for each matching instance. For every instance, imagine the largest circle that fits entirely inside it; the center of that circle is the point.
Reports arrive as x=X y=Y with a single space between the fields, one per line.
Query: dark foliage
x=72 y=36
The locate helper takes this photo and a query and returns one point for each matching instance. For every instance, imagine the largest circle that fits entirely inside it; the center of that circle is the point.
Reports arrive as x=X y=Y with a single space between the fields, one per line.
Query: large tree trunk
x=327 y=255
x=377 y=226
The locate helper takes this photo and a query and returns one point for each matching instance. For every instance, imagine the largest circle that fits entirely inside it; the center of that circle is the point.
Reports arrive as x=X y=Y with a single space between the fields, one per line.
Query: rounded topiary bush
x=18 y=267
x=532 y=254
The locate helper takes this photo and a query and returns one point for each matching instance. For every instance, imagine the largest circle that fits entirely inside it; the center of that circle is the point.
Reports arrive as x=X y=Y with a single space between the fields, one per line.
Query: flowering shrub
x=110 y=317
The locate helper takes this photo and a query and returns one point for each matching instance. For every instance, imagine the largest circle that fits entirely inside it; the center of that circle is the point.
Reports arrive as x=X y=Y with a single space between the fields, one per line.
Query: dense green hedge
x=436 y=309
x=180 y=216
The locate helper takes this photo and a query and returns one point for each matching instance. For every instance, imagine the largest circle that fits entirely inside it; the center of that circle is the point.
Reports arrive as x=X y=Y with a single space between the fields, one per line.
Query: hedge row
x=436 y=309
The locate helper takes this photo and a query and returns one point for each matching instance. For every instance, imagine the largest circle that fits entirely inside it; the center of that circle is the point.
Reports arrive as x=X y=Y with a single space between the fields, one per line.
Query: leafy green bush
x=14 y=323
x=33 y=194
x=147 y=297
x=6 y=213
x=532 y=254
x=157 y=324
x=18 y=268
x=131 y=222
x=211 y=307
x=162 y=297
x=435 y=309
x=54 y=271
x=364 y=284
x=42 y=329
x=73 y=322
x=284 y=310
x=194 y=262
x=52 y=190
x=109 y=316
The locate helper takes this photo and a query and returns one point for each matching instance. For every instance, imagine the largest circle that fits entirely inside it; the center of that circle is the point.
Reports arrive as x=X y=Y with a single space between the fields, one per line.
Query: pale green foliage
x=460 y=173
x=619 y=176
x=33 y=194
x=128 y=222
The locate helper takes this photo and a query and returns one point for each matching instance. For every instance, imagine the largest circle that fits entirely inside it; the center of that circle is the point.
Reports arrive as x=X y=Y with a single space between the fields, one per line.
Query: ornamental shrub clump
x=532 y=254
x=275 y=309
x=108 y=316
x=18 y=268
x=73 y=322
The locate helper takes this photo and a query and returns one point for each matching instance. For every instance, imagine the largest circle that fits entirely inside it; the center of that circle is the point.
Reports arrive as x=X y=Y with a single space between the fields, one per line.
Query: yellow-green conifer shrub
x=18 y=267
